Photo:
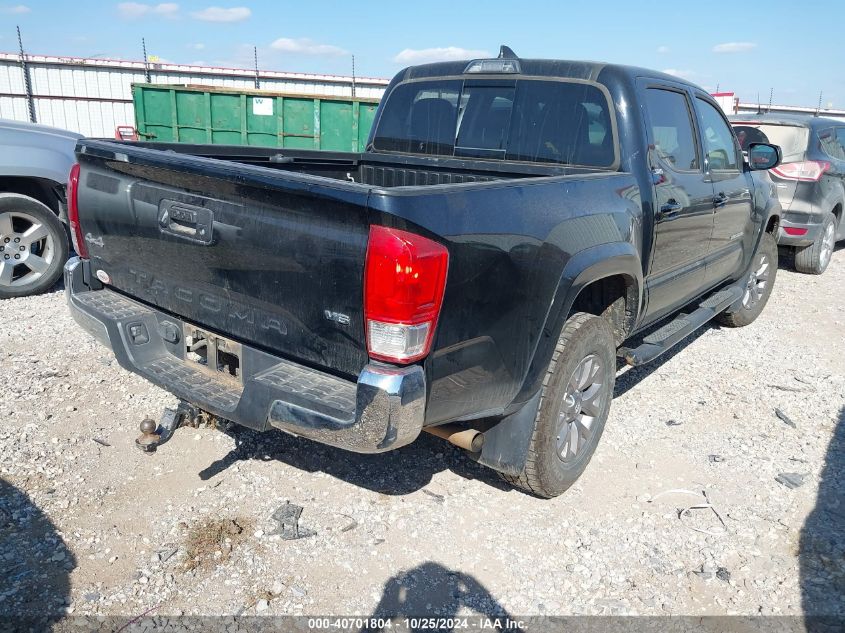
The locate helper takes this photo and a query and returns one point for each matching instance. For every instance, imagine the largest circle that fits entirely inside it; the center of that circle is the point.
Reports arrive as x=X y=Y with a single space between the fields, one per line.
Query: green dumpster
x=209 y=114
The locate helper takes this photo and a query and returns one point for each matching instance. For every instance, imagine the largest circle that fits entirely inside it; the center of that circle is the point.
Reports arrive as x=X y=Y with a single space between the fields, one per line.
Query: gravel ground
x=90 y=525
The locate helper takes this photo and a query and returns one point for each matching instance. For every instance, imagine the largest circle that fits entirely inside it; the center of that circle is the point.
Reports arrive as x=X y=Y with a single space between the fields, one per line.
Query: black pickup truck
x=512 y=228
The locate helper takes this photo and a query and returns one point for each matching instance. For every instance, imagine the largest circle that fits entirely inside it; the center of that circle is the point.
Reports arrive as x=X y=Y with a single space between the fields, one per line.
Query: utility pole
x=771 y=95
x=27 y=81
x=353 y=75
x=146 y=61
x=255 y=58
x=819 y=107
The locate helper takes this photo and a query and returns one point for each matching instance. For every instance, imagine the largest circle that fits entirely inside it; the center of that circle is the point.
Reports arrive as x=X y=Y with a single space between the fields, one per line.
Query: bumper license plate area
x=214 y=354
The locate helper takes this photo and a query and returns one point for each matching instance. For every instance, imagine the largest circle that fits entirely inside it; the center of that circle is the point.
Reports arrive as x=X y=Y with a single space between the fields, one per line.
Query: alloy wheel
x=27 y=249
x=583 y=401
x=757 y=281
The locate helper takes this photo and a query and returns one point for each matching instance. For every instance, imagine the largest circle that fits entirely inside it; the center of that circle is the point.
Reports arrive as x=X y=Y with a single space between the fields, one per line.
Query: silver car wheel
x=27 y=249
x=582 y=403
x=828 y=242
x=757 y=281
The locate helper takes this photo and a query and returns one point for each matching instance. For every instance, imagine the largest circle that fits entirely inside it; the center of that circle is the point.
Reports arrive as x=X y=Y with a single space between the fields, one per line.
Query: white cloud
x=448 y=53
x=304 y=46
x=734 y=47
x=662 y=49
x=197 y=47
x=219 y=14
x=683 y=74
x=135 y=10
x=166 y=9
x=18 y=9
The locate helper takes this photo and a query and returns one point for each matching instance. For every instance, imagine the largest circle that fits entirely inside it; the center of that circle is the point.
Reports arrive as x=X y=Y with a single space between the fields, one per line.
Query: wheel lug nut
x=17 y=256
x=6 y=240
x=5 y=257
x=23 y=248
x=17 y=239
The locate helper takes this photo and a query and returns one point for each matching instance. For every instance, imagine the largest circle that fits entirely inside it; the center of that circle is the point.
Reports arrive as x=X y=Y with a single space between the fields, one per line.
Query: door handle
x=669 y=210
x=720 y=200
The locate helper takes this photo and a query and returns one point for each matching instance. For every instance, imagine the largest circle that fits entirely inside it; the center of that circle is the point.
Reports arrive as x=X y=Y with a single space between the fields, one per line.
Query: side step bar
x=682 y=326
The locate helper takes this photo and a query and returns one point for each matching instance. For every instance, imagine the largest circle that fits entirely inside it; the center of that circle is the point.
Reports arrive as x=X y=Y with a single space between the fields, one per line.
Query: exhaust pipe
x=467 y=439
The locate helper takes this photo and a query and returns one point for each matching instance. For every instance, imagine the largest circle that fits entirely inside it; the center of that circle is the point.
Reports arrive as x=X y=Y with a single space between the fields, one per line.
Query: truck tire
x=759 y=283
x=813 y=259
x=575 y=401
x=33 y=246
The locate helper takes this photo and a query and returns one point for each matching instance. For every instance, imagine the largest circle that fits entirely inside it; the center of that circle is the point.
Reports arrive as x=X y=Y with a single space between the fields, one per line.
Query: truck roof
x=553 y=68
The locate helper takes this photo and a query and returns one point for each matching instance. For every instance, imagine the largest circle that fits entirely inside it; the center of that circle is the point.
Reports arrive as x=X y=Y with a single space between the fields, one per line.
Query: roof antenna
x=506 y=53
x=759 y=107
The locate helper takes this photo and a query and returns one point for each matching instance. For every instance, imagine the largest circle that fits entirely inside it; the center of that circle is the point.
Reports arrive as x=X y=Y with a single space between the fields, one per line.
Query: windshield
x=523 y=120
x=791 y=138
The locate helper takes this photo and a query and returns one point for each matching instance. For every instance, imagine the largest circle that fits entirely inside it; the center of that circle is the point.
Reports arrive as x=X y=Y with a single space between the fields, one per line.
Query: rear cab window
x=562 y=121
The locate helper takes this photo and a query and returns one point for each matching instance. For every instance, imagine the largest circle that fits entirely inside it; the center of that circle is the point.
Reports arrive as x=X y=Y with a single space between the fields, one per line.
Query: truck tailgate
x=262 y=256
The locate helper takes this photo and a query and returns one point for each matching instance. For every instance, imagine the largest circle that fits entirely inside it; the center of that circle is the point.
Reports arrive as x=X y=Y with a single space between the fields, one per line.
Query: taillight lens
x=805 y=170
x=404 y=281
x=794 y=230
x=73 y=213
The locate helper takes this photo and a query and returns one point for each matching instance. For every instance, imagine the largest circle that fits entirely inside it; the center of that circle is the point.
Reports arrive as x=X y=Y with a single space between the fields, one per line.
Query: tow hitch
x=154 y=435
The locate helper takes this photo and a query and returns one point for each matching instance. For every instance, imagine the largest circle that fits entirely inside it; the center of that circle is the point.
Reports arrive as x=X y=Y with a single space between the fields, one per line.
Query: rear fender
x=506 y=442
x=584 y=268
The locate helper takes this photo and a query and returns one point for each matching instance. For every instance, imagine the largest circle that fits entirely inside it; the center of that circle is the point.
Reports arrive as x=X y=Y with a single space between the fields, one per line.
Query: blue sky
x=743 y=47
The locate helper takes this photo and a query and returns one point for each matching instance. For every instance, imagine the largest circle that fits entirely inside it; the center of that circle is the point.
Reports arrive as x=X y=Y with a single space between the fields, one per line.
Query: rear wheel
x=813 y=259
x=33 y=246
x=577 y=393
x=758 y=285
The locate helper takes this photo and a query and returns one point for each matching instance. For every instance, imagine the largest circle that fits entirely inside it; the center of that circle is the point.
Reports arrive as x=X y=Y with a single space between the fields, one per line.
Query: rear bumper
x=798 y=221
x=382 y=410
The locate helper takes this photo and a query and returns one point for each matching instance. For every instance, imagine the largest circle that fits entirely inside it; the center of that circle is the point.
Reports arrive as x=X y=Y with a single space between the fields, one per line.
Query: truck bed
x=378 y=170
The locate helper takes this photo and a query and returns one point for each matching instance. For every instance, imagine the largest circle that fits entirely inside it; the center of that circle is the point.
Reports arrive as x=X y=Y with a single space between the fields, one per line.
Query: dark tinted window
x=719 y=145
x=671 y=128
x=525 y=120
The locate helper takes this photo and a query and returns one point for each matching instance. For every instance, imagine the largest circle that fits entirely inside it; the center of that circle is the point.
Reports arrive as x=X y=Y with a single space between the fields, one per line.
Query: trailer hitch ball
x=149 y=438
x=154 y=435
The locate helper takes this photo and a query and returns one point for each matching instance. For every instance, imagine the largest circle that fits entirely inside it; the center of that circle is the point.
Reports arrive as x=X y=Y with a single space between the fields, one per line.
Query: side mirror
x=762 y=156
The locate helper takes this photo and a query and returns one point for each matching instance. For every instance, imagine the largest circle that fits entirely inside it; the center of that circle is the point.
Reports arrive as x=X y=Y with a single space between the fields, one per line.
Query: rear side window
x=671 y=128
x=524 y=120
x=719 y=145
x=831 y=142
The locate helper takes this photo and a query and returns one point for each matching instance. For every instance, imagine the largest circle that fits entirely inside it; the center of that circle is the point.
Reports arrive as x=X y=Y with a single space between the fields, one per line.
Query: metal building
x=93 y=96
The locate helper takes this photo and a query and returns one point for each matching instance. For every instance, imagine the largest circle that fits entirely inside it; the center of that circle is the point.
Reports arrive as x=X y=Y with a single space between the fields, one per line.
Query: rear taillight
x=404 y=281
x=805 y=170
x=73 y=213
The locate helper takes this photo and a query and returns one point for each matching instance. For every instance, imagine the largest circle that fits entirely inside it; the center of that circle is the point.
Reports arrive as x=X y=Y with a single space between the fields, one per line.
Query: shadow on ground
x=402 y=471
x=434 y=591
x=35 y=564
x=822 y=543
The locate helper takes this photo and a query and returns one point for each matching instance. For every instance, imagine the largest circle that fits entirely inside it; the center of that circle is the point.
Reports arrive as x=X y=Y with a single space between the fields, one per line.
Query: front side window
x=719 y=145
x=561 y=122
x=671 y=128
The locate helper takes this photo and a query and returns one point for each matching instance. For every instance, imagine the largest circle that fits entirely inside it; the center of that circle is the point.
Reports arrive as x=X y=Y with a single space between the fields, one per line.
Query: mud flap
x=506 y=443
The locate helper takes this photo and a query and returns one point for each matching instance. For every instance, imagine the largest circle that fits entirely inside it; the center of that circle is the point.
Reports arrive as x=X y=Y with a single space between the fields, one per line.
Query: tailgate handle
x=186 y=221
